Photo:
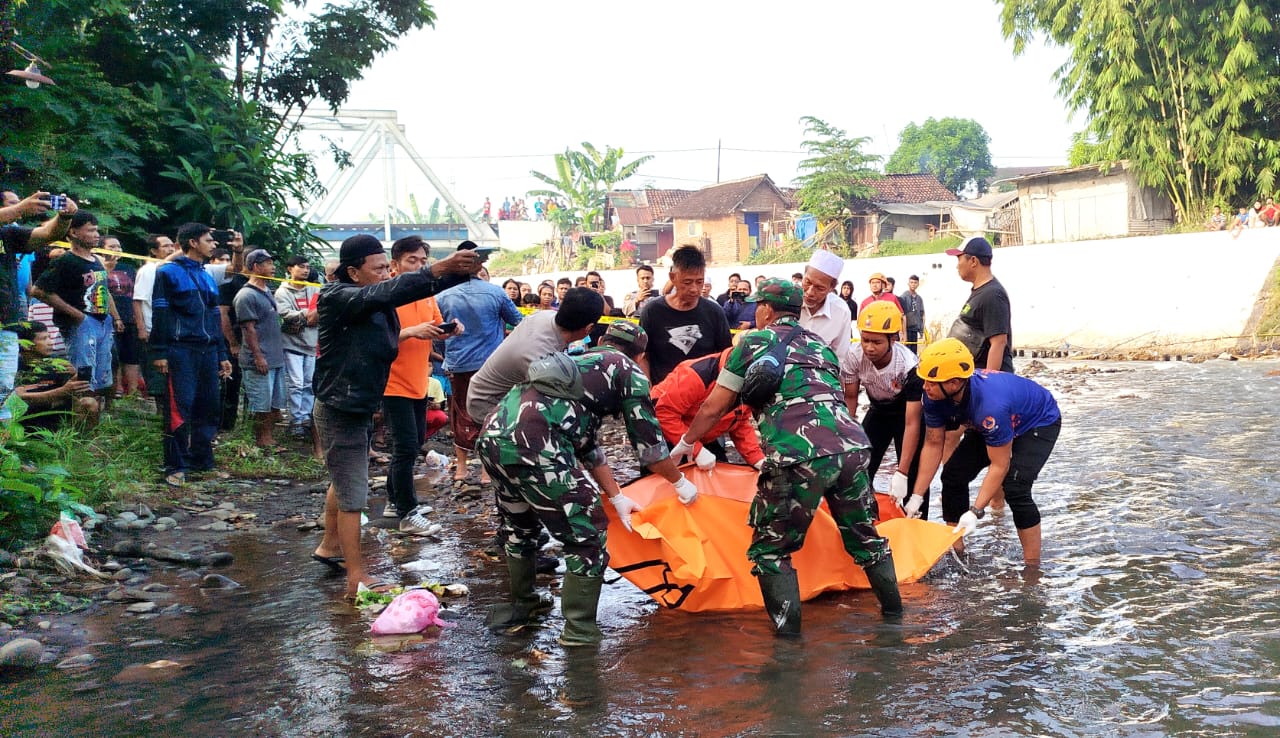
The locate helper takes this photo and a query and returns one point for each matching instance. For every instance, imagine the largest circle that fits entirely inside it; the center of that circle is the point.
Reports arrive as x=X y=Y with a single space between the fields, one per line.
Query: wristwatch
x=979 y=514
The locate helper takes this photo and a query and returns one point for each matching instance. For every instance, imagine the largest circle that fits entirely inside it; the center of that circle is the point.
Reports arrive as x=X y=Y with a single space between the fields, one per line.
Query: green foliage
x=905 y=248
x=170 y=112
x=792 y=250
x=1269 y=323
x=836 y=172
x=582 y=180
x=34 y=482
x=955 y=150
x=1085 y=149
x=511 y=263
x=1184 y=91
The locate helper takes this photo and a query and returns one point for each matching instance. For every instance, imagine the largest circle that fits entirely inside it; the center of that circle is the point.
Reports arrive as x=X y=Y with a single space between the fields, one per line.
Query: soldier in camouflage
x=813 y=450
x=540 y=448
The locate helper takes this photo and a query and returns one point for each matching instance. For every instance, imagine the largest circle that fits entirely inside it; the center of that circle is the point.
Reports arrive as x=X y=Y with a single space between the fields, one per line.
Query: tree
x=952 y=149
x=583 y=180
x=168 y=112
x=836 y=173
x=1085 y=149
x=1184 y=91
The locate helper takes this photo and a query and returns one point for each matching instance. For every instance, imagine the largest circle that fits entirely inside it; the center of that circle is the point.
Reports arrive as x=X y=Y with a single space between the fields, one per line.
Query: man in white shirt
x=824 y=313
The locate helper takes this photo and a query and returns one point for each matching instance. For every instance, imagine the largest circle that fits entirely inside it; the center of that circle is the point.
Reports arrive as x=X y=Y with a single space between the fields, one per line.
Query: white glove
x=898 y=487
x=625 y=506
x=705 y=460
x=686 y=490
x=913 y=506
x=680 y=450
x=759 y=465
x=968 y=523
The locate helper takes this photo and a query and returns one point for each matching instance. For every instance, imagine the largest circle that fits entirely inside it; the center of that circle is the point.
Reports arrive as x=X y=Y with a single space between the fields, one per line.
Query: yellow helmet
x=880 y=316
x=946 y=359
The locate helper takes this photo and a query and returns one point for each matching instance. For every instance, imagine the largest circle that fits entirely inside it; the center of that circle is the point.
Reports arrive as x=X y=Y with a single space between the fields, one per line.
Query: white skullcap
x=827 y=263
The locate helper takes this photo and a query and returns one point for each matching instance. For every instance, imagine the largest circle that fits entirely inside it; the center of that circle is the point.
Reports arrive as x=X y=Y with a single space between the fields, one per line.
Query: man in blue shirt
x=1012 y=425
x=482 y=311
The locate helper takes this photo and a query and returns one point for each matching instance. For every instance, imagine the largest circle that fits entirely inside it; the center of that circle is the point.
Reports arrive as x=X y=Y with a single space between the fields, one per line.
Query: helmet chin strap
x=953 y=397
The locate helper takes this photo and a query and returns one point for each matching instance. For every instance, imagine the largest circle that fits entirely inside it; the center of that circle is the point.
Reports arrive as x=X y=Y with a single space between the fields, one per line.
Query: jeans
x=8 y=370
x=406 y=421
x=913 y=339
x=191 y=408
x=89 y=344
x=301 y=369
x=1030 y=451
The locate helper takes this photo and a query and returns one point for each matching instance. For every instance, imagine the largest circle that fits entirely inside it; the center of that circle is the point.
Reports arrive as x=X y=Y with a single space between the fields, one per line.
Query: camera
x=57 y=202
x=737 y=295
x=222 y=236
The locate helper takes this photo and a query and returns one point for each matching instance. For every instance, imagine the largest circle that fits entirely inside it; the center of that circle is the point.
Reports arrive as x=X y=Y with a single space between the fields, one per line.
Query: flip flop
x=176 y=480
x=336 y=563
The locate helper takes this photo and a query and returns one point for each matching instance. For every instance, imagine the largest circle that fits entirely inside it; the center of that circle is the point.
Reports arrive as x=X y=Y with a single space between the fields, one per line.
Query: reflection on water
x=1157 y=614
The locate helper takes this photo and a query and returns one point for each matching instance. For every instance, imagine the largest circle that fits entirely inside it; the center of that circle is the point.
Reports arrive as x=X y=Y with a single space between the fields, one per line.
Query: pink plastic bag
x=68 y=529
x=412 y=612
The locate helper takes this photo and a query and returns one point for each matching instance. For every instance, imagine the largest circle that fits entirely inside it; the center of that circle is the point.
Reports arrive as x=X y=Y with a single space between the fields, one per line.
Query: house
x=729 y=220
x=1090 y=202
x=643 y=217
x=903 y=207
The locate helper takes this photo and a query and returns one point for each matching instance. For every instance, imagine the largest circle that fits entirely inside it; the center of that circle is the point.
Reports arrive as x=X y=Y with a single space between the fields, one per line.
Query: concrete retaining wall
x=1184 y=293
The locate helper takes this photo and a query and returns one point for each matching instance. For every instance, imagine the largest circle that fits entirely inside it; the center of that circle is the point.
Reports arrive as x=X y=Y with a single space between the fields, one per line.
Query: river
x=1157 y=613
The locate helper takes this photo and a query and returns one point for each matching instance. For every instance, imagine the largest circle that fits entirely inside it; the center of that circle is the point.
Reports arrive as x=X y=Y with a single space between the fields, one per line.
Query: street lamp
x=31 y=74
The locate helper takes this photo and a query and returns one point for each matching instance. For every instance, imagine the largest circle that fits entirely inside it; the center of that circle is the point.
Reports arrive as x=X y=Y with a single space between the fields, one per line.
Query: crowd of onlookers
x=515 y=208
x=1259 y=216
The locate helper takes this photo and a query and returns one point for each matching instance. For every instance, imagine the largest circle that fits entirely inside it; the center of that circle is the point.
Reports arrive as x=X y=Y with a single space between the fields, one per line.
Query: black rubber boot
x=782 y=602
x=884 y=582
x=525 y=605
x=579 y=599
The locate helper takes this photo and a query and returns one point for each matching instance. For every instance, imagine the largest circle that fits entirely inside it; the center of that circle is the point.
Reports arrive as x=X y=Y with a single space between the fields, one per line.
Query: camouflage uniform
x=538 y=449
x=813 y=450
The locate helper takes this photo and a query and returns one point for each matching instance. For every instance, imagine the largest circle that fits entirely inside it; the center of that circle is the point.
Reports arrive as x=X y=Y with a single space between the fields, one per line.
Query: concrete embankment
x=1190 y=293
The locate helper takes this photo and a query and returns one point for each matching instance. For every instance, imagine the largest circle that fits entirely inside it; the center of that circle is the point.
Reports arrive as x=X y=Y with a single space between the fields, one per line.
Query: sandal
x=176 y=480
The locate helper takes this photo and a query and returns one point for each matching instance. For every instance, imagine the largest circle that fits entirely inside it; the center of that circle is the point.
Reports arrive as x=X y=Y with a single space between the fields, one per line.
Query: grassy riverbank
x=118 y=461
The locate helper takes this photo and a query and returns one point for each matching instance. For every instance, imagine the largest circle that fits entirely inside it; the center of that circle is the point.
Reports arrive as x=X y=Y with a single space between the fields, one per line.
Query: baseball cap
x=630 y=333
x=257 y=256
x=781 y=292
x=973 y=246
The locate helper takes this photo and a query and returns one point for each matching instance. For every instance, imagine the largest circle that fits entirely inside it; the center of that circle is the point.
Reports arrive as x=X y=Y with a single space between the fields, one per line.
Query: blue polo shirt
x=999 y=405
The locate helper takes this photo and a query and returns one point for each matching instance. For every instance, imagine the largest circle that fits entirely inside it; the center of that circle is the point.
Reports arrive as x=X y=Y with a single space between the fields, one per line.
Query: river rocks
x=139 y=608
x=77 y=662
x=220 y=526
x=217 y=581
x=166 y=523
x=121 y=575
x=21 y=653
x=218 y=558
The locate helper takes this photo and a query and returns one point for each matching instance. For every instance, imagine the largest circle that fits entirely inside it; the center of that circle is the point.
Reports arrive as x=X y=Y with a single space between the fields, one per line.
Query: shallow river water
x=1157 y=613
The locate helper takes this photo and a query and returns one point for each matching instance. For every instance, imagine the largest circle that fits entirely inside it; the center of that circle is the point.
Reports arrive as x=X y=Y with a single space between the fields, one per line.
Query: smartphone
x=484 y=251
x=84 y=373
x=222 y=236
x=449 y=327
x=57 y=202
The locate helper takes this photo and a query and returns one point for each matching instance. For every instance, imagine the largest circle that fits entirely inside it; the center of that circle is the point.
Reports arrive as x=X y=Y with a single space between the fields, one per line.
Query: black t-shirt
x=227 y=292
x=676 y=335
x=987 y=313
x=80 y=283
x=14 y=240
x=120 y=281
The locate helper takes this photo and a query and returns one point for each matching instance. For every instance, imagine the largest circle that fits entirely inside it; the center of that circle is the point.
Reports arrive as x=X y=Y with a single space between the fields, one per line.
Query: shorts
x=128 y=347
x=344 y=439
x=465 y=429
x=265 y=392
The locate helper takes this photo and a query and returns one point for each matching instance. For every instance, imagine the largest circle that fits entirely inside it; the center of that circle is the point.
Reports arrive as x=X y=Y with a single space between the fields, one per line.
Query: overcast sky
x=496 y=88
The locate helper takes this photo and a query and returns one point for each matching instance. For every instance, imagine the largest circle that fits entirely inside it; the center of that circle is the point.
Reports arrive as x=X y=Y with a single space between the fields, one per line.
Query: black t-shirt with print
x=676 y=335
x=80 y=283
x=988 y=313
